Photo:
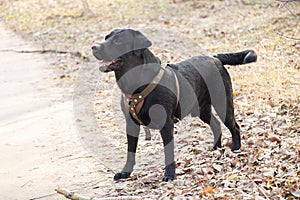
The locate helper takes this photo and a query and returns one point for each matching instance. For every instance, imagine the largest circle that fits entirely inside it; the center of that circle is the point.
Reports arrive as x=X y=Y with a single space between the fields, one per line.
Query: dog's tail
x=238 y=58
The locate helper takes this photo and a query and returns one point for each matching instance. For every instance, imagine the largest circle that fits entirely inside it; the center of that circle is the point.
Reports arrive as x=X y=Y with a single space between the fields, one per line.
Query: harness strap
x=134 y=102
x=177 y=88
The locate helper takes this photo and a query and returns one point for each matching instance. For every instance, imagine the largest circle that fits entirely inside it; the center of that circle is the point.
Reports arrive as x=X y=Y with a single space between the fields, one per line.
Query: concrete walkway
x=39 y=147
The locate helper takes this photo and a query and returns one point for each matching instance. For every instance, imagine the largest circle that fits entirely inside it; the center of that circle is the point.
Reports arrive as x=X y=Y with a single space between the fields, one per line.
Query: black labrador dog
x=155 y=95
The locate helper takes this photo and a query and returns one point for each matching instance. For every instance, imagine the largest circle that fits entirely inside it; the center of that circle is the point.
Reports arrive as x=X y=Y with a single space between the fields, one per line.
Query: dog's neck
x=137 y=72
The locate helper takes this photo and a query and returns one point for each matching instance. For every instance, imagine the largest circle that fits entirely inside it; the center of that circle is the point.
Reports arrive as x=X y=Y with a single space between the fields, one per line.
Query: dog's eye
x=117 y=41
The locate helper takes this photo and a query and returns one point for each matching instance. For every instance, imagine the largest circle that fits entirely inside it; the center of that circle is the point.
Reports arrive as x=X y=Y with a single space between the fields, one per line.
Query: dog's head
x=118 y=44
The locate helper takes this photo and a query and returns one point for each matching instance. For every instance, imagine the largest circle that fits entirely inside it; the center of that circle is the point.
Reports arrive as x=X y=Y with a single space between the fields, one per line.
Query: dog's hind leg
x=168 y=140
x=232 y=125
x=132 y=131
x=234 y=128
x=230 y=121
x=207 y=117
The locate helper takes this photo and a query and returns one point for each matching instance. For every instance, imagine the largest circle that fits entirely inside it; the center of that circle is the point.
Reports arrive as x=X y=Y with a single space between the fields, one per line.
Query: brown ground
x=266 y=100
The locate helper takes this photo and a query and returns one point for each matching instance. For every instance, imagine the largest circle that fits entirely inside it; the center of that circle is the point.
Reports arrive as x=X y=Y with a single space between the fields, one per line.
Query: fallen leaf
x=217 y=167
x=269 y=179
x=275 y=139
x=206 y=190
x=235 y=93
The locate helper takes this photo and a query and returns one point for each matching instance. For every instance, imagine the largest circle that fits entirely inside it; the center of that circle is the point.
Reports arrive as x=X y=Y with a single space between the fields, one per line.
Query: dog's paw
x=236 y=149
x=121 y=175
x=169 y=172
x=215 y=147
x=236 y=146
x=167 y=178
x=218 y=144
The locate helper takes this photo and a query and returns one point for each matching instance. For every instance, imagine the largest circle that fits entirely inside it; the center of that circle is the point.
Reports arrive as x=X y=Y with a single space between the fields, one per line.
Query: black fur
x=203 y=83
x=239 y=58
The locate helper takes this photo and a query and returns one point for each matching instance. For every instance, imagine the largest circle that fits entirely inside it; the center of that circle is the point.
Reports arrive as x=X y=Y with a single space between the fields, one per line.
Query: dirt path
x=39 y=147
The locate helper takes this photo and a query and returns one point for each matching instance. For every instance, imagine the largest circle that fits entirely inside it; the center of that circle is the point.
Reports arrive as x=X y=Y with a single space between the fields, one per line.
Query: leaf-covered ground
x=266 y=93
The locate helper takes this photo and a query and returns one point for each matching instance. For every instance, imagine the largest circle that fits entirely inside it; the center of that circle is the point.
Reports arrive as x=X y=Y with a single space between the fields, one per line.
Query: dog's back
x=203 y=78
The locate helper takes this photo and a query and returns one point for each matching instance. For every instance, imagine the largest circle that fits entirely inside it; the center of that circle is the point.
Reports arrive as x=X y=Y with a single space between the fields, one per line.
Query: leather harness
x=134 y=102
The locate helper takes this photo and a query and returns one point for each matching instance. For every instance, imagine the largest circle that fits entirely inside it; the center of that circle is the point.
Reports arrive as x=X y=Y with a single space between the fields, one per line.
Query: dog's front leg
x=132 y=131
x=168 y=140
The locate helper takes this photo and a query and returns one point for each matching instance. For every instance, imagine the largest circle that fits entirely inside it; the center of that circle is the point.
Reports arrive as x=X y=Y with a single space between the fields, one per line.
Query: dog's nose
x=96 y=46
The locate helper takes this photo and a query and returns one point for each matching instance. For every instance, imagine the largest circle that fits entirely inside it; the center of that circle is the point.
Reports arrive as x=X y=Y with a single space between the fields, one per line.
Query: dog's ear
x=140 y=42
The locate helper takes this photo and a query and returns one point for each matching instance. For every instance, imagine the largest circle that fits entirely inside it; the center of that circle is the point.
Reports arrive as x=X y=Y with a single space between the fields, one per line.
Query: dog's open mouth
x=108 y=66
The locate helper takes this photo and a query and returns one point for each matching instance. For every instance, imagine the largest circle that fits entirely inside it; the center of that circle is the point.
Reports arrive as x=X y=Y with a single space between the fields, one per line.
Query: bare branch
x=285 y=4
x=86 y=8
x=75 y=196
x=288 y=37
x=74 y=53
x=287 y=1
x=295 y=15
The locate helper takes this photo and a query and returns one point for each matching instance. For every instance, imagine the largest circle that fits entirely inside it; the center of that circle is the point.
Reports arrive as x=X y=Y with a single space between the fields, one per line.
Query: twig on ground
x=86 y=9
x=288 y=37
x=285 y=3
x=74 y=196
x=44 y=196
x=74 y=53
x=292 y=13
x=260 y=189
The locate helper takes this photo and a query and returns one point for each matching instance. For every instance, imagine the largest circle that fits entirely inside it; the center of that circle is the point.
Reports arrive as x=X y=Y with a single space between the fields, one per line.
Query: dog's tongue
x=107 y=66
x=105 y=63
